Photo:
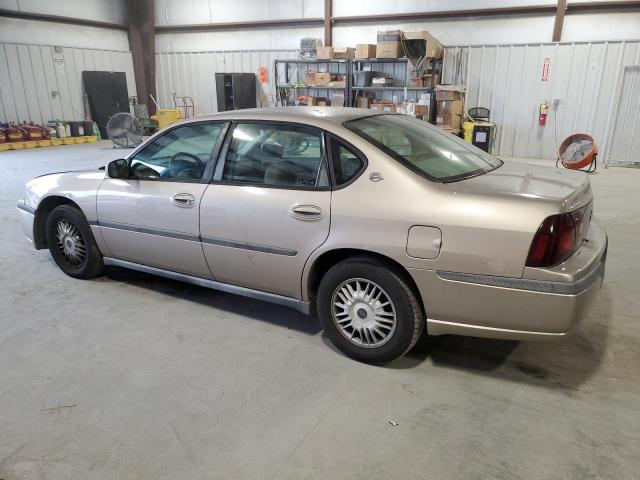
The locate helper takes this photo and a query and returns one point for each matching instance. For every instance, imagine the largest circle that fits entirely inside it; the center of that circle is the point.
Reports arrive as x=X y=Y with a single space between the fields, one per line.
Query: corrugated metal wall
x=507 y=79
x=30 y=73
x=193 y=74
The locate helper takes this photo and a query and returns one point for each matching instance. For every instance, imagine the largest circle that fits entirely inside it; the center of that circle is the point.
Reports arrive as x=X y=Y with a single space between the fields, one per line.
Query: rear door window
x=274 y=155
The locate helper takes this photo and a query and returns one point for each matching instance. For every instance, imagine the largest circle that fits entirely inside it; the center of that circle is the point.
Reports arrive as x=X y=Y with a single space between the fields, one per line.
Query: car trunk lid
x=570 y=190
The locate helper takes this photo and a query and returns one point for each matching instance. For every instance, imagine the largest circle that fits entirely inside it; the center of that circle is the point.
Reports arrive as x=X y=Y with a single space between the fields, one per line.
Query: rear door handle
x=306 y=212
x=184 y=200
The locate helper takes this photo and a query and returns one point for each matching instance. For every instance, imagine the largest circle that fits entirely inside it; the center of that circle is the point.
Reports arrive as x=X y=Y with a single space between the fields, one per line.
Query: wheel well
x=332 y=257
x=42 y=213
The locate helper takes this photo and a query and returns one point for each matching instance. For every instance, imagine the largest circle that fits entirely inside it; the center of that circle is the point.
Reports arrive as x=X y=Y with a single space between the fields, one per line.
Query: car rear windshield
x=425 y=149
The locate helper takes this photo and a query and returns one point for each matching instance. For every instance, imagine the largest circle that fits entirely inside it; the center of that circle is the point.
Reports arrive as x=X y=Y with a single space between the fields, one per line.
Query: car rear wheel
x=369 y=311
x=71 y=243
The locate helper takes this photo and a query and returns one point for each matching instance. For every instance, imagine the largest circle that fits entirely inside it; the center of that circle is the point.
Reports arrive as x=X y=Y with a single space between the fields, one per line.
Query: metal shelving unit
x=293 y=73
x=398 y=70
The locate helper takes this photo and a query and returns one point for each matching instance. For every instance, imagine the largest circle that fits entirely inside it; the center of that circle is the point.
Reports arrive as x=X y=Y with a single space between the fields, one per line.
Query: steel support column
x=557 y=26
x=328 y=12
x=143 y=49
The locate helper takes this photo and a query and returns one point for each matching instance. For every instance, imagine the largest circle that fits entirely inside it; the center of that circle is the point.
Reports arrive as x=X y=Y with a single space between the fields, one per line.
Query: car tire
x=369 y=311
x=71 y=243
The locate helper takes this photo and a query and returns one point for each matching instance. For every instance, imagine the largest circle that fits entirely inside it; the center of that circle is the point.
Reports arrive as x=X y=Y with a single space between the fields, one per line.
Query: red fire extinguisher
x=544 y=111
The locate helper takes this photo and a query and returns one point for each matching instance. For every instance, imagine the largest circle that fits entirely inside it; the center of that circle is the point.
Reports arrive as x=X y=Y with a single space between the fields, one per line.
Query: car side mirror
x=118 y=168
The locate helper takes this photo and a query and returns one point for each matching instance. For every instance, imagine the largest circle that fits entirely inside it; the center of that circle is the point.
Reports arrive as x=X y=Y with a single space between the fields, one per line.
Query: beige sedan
x=383 y=225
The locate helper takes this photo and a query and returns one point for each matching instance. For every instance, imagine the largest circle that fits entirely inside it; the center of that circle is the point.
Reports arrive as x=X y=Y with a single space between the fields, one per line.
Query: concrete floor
x=135 y=377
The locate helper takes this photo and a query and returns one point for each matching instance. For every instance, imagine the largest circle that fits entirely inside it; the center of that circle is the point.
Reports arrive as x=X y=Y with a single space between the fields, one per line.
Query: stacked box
x=433 y=47
x=324 y=53
x=365 y=50
x=389 y=44
x=344 y=52
x=449 y=109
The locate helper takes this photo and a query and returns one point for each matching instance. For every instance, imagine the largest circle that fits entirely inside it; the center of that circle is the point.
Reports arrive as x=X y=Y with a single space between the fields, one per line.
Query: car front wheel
x=369 y=311
x=71 y=243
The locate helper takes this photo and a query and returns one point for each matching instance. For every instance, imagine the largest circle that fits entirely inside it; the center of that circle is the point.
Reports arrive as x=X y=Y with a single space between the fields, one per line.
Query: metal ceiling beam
x=221 y=27
x=59 y=19
x=559 y=22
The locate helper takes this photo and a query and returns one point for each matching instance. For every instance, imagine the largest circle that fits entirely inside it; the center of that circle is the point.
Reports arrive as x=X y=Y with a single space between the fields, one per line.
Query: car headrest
x=273 y=149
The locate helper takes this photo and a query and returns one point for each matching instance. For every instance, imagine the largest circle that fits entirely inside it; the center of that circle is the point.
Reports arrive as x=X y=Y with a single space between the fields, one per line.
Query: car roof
x=318 y=116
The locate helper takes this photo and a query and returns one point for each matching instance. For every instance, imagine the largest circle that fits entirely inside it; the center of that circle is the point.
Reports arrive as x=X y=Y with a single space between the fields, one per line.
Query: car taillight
x=558 y=237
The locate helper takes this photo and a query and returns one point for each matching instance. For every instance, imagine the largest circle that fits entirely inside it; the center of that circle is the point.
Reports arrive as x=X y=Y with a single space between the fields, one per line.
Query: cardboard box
x=385 y=107
x=433 y=47
x=324 y=53
x=450 y=107
x=321 y=102
x=389 y=36
x=363 y=102
x=453 y=131
x=430 y=80
x=365 y=50
x=311 y=101
x=309 y=78
x=337 y=100
x=337 y=83
x=449 y=120
x=344 y=52
x=417 y=82
x=421 y=110
x=442 y=94
x=381 y=82
x=389 y=50
x=323 y=78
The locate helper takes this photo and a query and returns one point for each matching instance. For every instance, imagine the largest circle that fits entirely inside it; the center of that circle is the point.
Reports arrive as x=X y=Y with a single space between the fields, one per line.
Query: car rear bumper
x=511 y=308
x=26 y=215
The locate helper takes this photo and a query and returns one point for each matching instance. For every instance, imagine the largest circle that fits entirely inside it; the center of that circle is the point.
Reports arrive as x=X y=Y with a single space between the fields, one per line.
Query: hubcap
x=363 y=313
x=70 y=243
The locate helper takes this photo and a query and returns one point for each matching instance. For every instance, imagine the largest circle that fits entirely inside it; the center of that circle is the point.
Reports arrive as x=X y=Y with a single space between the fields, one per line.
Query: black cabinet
x=235 y=91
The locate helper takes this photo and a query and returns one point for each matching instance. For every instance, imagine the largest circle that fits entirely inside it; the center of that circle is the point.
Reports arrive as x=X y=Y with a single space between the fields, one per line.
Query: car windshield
x=427 y=150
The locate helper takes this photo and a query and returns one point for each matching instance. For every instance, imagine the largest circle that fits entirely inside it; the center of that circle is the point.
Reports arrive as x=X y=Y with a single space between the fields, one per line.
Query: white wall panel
x=264 y=39
x=110 y=11
x=193 y=74
x=507 y=79
x=460 y=31
x=185 y=12
x=584 y=27
x=14 y=30
x=366 y=7
x=29 y=73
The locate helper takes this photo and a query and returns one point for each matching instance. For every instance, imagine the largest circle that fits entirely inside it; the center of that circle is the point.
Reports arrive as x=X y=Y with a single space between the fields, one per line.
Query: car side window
x=276 y=155
x=346 y=164
x=180 y=154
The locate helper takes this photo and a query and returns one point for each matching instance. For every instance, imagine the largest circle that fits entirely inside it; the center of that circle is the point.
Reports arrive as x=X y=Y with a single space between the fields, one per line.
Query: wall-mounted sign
x=545 y=70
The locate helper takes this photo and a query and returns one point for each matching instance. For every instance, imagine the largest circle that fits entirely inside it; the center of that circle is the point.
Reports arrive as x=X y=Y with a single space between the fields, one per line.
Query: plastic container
x=166 y=117
x=75 y=131
x=88 y=129
x=60 y=131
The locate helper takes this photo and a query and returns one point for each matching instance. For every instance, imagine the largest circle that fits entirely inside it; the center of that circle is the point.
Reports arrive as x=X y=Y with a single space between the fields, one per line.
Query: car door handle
x=184 y=200
x=306 y=212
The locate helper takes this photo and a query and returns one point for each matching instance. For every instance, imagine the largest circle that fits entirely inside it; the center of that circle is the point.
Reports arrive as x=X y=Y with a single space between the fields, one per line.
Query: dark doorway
x=108 y=95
